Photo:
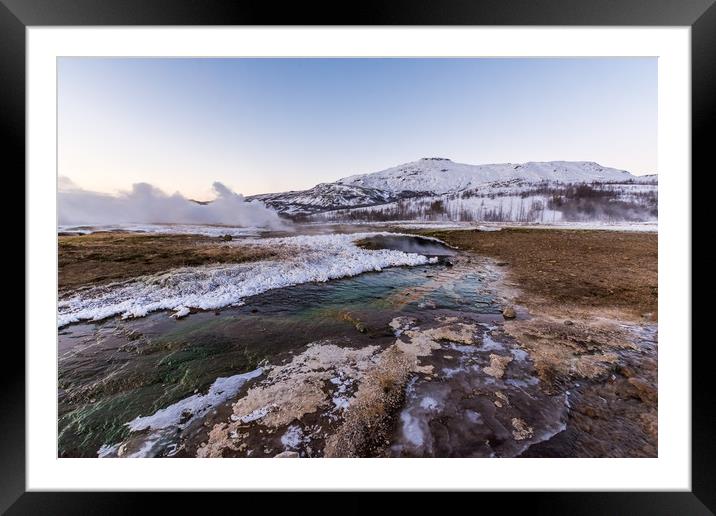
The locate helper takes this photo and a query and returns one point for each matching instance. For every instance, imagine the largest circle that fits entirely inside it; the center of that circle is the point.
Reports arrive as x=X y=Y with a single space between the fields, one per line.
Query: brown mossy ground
x=111 y=256
x=574 y=268
x=579 y=287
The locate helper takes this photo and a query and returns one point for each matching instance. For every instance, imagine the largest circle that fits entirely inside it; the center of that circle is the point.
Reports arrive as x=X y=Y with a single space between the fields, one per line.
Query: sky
x=268 y=125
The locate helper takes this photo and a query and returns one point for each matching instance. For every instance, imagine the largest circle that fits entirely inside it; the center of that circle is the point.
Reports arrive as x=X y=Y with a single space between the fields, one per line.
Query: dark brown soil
x=577 y=268
x=111 y=256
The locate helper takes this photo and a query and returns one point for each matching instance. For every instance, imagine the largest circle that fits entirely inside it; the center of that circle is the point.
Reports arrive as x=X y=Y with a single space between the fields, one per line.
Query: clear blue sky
x=261 y=125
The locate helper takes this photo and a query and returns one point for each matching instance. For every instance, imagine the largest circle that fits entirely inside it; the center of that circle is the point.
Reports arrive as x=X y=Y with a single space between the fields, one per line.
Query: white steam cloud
x=146 y=204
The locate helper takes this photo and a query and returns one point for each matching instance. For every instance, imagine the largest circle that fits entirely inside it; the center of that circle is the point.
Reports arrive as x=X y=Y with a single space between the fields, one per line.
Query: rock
x=227 y=238
x=590 y=412
x=646 y=392
x=186 y=415
x=361 y=327
x=497 y=365
x=509 y=312
x=286 y=455
x=650 y=423
x=521 y=430
x=502 y=264
x=627 y=371
x=568 y=323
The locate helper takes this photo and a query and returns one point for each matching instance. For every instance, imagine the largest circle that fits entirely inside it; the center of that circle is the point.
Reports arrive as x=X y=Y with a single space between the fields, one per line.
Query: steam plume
x=146 y=204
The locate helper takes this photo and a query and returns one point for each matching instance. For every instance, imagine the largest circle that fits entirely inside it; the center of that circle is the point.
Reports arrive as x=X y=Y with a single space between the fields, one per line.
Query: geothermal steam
x=146 y=204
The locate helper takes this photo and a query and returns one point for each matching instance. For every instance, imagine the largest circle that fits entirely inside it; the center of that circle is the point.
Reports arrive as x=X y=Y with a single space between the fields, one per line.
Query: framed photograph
x=425 y=248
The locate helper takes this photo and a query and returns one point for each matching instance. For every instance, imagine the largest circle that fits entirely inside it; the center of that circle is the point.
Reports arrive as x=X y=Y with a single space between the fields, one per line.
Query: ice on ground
x=412 y=429
x=490 y=344
x=428 y=403
x=255 y=415
x=161 y=428
x=450 y=372
x=416 y=415
x=293 y=437
x=651 y=226
x=519 y=354
x=429 y=225
x=303 y=259
x=472 y=416
x=209 y=230
x=340 y=397
x=187 y=410
x=182 y=311
x=107 y=450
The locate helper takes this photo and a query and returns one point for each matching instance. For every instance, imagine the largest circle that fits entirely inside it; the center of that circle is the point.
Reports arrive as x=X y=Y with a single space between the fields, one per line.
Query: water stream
x=186 y=372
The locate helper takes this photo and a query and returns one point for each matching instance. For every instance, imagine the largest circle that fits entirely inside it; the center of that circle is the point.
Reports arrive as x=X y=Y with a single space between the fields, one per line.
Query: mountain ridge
x=437 y=177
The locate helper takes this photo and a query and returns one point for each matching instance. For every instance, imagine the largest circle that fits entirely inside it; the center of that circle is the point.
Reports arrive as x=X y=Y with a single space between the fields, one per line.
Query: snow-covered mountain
x=326 y=196
x=441 y=188
x=441 y=175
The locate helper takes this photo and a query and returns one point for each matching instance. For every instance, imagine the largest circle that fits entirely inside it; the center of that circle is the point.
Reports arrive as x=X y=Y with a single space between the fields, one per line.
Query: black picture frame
x=700 y=15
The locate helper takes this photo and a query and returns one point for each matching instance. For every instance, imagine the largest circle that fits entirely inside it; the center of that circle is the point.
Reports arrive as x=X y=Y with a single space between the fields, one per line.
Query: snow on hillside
x=325 y=196
x=441 y=175
x=517 y=201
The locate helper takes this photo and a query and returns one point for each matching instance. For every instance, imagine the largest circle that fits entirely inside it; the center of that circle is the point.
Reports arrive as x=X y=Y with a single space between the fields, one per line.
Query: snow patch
x=412 y=429
x=187 y=410
x=254 y=415
x=107 y=450
x=166 y=229
x=428 y=403
x=293 y=437
x=181 y=311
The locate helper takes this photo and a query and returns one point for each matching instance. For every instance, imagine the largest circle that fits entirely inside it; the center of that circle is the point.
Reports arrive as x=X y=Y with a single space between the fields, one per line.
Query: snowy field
x=649 y=227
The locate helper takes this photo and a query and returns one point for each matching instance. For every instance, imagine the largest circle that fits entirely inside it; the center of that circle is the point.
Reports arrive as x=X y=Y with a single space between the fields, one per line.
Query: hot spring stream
x=115 y=371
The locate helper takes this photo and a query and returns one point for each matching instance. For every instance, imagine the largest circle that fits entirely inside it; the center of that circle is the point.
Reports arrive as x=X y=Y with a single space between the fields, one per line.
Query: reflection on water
x=408 y=244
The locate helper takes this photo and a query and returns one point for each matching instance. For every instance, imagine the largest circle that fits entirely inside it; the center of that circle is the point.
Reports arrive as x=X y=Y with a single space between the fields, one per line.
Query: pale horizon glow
x=264 y=125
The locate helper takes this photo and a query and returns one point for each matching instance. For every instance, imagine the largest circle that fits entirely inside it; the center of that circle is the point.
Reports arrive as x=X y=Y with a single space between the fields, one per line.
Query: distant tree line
x=540 y=202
